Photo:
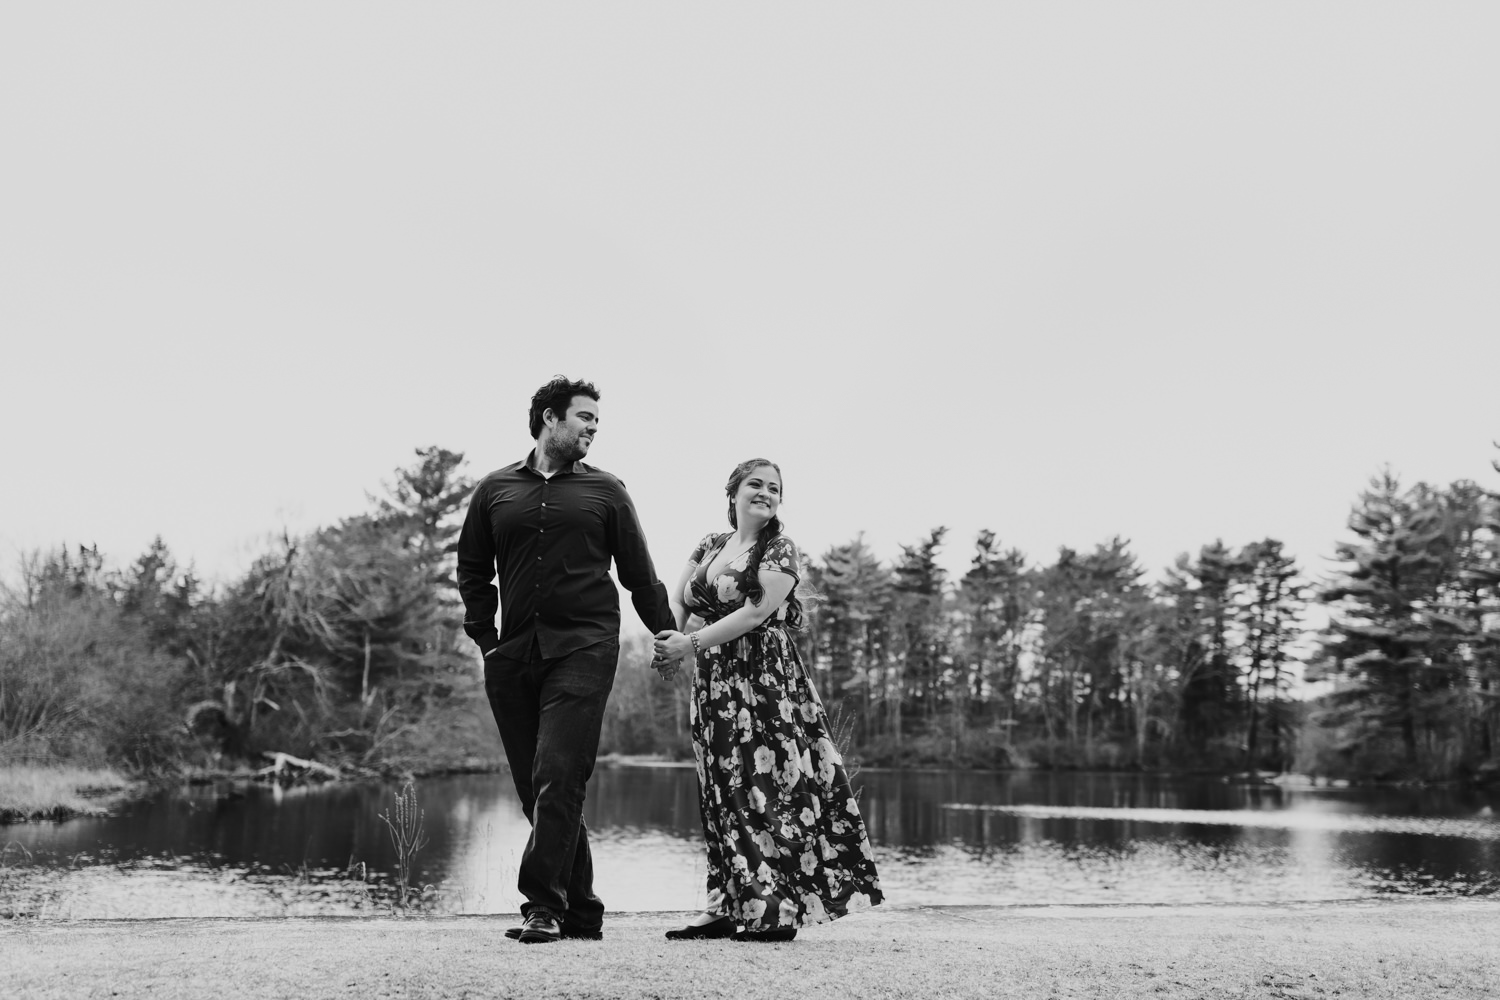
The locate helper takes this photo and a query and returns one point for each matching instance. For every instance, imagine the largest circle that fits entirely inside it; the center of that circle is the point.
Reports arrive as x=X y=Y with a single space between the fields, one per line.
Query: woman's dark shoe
x=779 y=934
x=721 y=928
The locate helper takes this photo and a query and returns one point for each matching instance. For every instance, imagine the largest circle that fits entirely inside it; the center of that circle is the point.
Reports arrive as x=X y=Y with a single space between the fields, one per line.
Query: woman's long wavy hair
x=768 y=534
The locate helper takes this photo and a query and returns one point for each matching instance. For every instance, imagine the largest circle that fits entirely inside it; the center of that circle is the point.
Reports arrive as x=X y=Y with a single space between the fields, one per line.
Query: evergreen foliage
x=1412 y=647
x=345 y=646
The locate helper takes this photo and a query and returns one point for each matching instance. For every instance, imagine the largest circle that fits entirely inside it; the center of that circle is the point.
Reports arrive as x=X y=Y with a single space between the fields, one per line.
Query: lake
x=940 y=837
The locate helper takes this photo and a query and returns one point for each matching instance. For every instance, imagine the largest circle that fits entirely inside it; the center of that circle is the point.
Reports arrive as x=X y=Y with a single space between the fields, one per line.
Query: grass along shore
x=1376 y=949
x=29 y=791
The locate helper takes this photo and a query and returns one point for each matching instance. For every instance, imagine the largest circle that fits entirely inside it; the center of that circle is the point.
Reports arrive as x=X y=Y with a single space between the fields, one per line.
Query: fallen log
x=285 y=767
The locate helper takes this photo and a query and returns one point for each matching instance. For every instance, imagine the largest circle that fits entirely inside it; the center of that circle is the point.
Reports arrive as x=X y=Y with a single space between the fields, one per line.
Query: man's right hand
x=667 y=668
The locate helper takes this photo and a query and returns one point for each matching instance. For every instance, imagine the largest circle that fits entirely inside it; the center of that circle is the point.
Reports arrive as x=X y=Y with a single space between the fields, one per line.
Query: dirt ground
x=1396 y=948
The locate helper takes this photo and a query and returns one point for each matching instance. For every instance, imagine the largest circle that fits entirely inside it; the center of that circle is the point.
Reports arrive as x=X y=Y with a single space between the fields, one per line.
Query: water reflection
x=1299 y=818
x=940 y=837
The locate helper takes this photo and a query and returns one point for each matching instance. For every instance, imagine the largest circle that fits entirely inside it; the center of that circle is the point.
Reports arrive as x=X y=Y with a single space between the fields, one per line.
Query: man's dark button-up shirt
x=550 y=541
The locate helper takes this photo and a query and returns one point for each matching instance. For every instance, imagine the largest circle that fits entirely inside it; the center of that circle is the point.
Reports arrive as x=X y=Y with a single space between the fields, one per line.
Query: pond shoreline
x=80 y=790
x=77 y=790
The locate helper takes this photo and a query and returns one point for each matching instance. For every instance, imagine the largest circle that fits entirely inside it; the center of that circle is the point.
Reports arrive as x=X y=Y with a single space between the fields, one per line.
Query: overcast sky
x=1172 y=271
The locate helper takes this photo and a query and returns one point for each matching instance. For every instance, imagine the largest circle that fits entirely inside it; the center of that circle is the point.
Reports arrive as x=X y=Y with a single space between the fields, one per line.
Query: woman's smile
x=760 y=493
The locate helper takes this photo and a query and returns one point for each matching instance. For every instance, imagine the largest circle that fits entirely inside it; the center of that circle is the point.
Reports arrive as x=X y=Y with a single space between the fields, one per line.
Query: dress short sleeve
x=702 y=549
x=781 y=557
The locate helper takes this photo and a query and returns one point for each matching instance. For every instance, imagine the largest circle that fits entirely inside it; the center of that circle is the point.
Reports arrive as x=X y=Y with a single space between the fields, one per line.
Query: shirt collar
x=529 y=465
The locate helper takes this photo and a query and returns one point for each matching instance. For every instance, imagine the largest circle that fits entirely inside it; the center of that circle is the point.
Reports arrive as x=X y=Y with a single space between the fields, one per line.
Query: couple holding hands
x=786 y=845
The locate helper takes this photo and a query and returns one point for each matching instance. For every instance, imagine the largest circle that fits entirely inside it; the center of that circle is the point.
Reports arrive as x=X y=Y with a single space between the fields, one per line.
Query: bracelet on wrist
x=693 y=638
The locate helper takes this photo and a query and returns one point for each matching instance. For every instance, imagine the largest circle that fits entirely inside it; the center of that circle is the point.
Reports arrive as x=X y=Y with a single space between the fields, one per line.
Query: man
x=549 y=526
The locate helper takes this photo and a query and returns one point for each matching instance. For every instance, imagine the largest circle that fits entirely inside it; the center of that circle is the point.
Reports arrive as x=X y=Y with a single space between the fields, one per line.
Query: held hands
x=671 y=648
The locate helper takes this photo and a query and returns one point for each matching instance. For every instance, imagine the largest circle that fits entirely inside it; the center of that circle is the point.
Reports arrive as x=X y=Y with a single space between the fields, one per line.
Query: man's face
x=572 y=435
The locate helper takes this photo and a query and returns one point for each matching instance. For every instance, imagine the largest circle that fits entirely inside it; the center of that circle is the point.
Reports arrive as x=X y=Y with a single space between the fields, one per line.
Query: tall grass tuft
x=28 y=791
x=841 y=727
x=408 y=836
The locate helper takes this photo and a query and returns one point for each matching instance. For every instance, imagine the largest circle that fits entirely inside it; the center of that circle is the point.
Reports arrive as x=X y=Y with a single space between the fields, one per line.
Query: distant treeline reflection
x=344 y=646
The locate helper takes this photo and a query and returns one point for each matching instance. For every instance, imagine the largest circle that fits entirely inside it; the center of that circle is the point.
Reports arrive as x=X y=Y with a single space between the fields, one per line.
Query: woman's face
x=759 y=497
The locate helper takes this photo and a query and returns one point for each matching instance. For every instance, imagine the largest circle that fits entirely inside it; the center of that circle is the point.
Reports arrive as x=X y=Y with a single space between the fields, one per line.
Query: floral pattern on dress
x=786 y=844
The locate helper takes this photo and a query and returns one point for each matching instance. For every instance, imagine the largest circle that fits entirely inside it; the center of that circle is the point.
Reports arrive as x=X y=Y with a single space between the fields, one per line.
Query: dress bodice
x=726 y=592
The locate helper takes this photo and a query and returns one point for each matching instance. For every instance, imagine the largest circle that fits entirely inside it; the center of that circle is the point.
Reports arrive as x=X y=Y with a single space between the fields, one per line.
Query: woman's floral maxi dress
x=786 y=845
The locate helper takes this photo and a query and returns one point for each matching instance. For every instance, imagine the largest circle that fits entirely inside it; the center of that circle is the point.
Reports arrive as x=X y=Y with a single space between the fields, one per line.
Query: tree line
x=338 y=645
x=345 y=645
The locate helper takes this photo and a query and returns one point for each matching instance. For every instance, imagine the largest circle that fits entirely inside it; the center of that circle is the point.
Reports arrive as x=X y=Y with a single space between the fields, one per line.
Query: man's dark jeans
x=549 y=713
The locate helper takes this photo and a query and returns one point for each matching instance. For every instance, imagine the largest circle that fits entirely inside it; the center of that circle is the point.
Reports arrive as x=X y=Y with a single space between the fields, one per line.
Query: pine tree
x=1210 y=694
x=1093 y=615
x=994 y=603
x=852 y=629
x=421 y=507
x=1381 y=642
x=1269 y=610
x=919 y=585
x=1466 y=623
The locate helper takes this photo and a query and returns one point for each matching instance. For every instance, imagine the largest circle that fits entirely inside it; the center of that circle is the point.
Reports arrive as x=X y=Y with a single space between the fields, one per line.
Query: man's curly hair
x=555 y=396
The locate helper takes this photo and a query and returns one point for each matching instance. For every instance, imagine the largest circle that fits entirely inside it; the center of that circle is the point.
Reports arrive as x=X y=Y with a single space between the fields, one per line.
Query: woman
x=786 y=846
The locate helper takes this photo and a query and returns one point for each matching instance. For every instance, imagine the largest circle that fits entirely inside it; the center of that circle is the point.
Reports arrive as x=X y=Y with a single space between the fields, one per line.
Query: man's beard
x=565 y=450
